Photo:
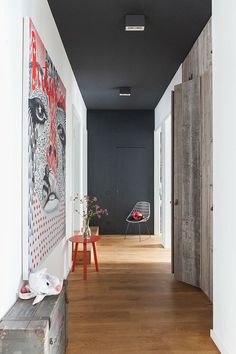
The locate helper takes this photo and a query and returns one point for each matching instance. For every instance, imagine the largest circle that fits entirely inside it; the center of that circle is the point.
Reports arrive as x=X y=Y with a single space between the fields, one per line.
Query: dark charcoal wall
x=120 y=164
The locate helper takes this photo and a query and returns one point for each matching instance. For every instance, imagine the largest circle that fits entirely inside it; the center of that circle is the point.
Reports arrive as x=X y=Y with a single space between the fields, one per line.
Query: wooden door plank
x=187 y=182
x=206 y=185
x=172 y=179
x=199 y=59
x=177 y=177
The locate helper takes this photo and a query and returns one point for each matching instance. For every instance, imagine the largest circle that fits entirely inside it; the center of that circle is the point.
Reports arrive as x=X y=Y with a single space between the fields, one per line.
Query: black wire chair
x=144 y=209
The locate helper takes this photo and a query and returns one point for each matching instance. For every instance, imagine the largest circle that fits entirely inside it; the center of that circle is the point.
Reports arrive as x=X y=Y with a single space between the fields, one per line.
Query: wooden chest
x=39 y=329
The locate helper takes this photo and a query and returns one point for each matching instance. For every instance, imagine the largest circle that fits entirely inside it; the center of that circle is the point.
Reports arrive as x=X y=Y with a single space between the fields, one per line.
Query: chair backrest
x=142 y=207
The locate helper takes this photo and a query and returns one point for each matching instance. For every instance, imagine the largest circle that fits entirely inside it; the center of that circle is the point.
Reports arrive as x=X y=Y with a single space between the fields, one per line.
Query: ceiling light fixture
x=125 y=91
x=134 y=22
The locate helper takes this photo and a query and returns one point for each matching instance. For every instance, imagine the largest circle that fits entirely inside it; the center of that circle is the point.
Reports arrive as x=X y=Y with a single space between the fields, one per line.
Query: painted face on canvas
x=46 y=153
x=47 y=146
x=47 y=135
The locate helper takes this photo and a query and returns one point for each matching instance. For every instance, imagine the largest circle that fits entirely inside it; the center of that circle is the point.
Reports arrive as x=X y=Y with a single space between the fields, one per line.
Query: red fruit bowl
x=136 y=215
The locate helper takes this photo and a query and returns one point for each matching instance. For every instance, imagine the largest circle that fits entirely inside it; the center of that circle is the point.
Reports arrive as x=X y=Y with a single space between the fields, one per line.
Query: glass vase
x=86 y=230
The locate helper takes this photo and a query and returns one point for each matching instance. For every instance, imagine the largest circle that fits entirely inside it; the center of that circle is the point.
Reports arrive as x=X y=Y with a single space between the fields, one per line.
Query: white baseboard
x=218 y=343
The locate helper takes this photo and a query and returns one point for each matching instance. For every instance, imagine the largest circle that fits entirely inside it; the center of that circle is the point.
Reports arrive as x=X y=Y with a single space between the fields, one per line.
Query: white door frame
x=156 y=182
x=165 y=215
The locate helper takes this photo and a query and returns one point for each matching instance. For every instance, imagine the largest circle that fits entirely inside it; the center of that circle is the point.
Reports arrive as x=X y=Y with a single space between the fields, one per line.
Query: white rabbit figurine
x=40 y=284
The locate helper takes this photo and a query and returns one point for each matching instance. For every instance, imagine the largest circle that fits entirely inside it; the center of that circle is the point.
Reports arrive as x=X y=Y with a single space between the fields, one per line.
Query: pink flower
x=90 y=207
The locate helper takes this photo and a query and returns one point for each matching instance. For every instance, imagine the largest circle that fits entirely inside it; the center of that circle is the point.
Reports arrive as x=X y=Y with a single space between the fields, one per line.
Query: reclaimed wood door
x=206 y=276
x=186 y=181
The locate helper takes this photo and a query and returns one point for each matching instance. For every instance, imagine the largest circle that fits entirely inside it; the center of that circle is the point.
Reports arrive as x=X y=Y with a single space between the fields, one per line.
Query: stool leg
x=75 y=256
x=139 y=229
x=95 y=256
x=85 y=260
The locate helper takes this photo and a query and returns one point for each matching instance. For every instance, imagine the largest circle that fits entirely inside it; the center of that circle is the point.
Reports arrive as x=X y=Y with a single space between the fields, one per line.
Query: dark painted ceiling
x=105 y=57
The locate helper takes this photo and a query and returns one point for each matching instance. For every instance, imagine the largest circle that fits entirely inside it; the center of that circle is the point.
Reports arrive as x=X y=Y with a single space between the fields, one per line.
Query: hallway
x=133 y=305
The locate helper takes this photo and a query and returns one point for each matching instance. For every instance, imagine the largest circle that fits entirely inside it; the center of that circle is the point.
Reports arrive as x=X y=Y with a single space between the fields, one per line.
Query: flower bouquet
x=89 y=210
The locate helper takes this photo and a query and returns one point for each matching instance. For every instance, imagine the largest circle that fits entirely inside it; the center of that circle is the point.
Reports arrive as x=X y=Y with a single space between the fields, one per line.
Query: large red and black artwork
x=46 y=153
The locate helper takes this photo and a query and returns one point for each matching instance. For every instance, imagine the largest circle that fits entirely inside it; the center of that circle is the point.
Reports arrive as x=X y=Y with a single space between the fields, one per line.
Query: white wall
x=162 y=114
x=79 y=180
x=163 y=109
x=224 y=119
x=11 y=36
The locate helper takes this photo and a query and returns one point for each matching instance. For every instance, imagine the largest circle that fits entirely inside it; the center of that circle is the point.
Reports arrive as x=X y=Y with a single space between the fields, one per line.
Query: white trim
x=160 y=123
x=25 y=144
x=156 y=181
x=218 y=342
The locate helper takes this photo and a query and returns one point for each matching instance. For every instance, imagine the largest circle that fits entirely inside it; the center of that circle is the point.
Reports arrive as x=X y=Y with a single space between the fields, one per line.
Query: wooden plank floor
x=133 y=305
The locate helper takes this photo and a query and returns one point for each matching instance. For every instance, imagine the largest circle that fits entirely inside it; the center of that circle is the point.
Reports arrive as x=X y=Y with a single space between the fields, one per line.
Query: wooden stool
x=76 y=239
x=80 y=257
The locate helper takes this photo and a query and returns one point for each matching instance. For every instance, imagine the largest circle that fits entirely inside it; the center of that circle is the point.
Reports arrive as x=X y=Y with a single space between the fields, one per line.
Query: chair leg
x=147 y=229
x=139 y=228
x=127 y=227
